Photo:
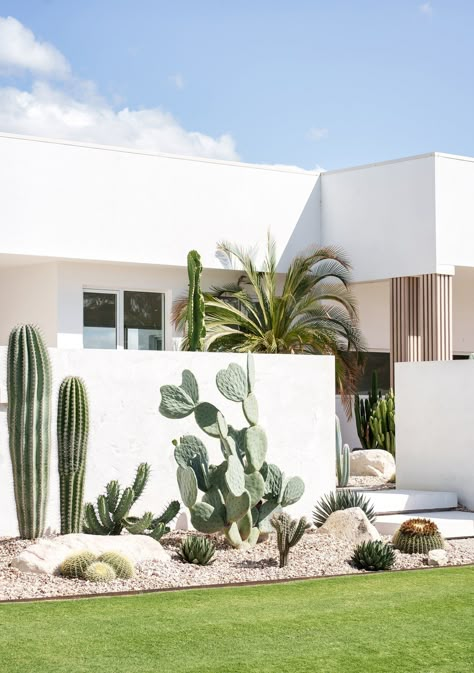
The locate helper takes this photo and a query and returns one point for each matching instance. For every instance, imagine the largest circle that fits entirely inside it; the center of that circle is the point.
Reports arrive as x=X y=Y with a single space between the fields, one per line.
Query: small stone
x=350 y=525
x=372 y=463
x=437 y=557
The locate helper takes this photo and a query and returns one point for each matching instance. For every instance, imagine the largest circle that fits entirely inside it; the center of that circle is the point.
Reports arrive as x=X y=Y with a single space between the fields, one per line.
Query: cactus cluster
x=417 y=536
x=382 y=422
x=75 y=565
x=343 y=458
x=242 y=493
x=87 y=566
x=195 y=310
x=72 y=433
x=29 y=426
x=197 y=549
x=289 y=532
x=123 y=567
x=363 y=410
x=373 y=555
x=111 y=515
x=341 y=500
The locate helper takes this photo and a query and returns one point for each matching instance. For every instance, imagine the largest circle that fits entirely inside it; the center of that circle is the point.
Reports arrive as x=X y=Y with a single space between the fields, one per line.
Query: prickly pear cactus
x=241 y=494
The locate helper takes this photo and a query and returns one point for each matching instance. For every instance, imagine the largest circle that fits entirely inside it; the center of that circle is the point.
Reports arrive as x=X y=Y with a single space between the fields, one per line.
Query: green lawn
x=416 y=622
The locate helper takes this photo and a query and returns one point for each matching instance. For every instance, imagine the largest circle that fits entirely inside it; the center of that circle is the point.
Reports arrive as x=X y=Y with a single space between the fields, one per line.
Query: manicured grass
x=416 y=622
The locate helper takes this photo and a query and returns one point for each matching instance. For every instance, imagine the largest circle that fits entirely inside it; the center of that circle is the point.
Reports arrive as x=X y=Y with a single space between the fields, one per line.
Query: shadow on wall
x=307 y=229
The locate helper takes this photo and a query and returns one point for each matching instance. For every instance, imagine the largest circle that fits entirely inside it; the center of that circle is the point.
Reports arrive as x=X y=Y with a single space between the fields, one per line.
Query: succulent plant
x=123 y=567
x=242 y=493
x=382 y=422
x=373 y=555
x=75 y=565
x=417 y=536
x=196 y=549
x=111 y=515
x=343 y=458
x=29 y=426
x=341 y=500
x=99 y=572
x=362 y=411
x=289 y=532
x=195 y=311
x=72 y=433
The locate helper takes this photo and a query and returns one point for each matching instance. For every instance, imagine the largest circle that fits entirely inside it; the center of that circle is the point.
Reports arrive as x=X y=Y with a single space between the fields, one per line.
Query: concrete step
x=451 y=523
x=394 y=500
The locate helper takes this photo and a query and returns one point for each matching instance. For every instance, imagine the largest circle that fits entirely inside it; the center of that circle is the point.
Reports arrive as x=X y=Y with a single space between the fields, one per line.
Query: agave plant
x=341 y=500
x=312 y=312
x=373 y=555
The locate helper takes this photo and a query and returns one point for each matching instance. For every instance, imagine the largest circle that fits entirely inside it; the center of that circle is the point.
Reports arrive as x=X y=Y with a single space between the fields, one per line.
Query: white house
x=90 y=233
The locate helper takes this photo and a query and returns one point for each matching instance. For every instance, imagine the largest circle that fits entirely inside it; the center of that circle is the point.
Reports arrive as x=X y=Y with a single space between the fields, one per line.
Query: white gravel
x=316 y=555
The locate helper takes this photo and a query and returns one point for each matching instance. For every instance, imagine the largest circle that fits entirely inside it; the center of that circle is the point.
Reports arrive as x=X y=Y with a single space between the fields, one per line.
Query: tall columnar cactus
x=382 y=422
x=343 y=457
x=289 y=532
x=241 y=494
x=111 y=515
x=362 y=410
x=73 y=433
x=29 y=426
x=195 y=315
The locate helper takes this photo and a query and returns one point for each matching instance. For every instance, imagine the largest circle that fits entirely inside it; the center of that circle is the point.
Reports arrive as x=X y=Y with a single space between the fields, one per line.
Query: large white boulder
x=350 y=525
x=46 y=555
x=372 y=463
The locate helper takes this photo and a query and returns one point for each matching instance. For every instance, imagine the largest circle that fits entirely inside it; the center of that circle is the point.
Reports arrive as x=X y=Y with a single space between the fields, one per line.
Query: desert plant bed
x=419 y=621
x=314 y=556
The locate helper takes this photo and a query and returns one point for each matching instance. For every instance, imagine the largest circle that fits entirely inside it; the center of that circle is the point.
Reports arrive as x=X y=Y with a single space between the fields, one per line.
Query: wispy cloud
x=426 y=8
x=317 y=133
x=177 y=80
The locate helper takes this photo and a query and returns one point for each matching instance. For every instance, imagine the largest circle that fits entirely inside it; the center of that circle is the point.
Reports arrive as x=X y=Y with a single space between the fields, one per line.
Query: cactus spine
x=289 y=532
x=29 y=426
x=343 y=458
x=73 y=431
x=195 y=316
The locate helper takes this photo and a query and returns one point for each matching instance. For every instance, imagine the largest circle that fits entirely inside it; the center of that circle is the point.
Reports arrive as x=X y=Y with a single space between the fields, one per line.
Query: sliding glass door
x=100 y=319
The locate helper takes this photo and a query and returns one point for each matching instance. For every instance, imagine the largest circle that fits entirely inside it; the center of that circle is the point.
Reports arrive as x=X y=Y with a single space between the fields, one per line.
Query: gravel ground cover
x=316 y=555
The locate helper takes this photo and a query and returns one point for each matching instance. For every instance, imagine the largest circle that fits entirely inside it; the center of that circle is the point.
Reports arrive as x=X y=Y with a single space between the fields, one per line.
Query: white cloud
x=20 y=51
x=317 y=133
x=426 y=8
x=178 y=80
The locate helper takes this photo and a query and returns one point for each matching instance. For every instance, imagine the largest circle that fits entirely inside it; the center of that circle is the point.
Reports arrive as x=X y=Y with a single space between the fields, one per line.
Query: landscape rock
x=372 y=463
x=350 y=525
x=46 y=555
x=437 y=557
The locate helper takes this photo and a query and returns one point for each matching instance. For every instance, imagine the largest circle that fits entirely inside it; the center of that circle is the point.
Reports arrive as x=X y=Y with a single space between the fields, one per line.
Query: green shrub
x=373 y=555
x=417 y=536
x=196 y=549
x=99 y=572
x=124 y=568
x=76 y=564
x=341 y=500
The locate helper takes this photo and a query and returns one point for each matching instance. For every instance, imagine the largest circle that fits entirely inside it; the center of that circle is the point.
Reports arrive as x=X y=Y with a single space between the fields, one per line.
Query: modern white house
x=91 y=236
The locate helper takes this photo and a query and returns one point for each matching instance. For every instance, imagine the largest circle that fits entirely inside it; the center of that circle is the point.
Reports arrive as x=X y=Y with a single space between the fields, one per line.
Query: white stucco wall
x=102 y=203
x=435 y=433
x=126 y=427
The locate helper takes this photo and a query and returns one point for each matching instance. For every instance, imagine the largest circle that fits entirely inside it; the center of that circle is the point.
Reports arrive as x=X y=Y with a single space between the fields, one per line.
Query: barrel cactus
x=241 y=494
x=289 y=532
x=417 y=536
x=72 y=432
x=75 y=565
x=343 y=457
x=100 y=572
x=373 y=555
x=197 y=549
x=195 y=311
x=29 y=426
x=124 y=568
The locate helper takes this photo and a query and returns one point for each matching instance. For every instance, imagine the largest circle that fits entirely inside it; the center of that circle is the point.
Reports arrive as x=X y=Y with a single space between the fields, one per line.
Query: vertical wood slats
x=421 y=319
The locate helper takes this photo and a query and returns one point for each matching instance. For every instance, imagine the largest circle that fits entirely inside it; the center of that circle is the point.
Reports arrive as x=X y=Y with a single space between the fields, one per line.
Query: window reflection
x=100 y=320
x=143 y=320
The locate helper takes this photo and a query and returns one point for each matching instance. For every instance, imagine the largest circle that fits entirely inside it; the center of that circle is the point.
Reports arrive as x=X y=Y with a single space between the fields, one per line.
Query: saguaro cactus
x=73 y=433
x=195 y=316
x=29 y=426
x=289 y=532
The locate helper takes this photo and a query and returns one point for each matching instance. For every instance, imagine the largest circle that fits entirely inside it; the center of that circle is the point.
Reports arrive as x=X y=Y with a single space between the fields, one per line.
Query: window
x=123 y=319
x=379 y=362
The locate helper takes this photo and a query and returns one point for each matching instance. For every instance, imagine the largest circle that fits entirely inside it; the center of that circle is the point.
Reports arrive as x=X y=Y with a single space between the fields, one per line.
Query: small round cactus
x=373 y=555
x=417 y=536
x=99 y=572
x=76 y=564
x=124 y=568
x=196 y=549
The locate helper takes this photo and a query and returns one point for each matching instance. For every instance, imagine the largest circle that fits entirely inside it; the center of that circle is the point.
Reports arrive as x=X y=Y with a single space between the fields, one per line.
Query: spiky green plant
x=112 y=512
x=242 y=493
x=29 y=426
x=373 y=555
x=99 y=572
x=362 y=411
x=417 y=536
x=341 y=500
x=124 y=568
x=382 y=422
x=343 y=458
x=289 y=532
x=196 y=549
x=72 y=433
x=75 y=565
x=196 y=328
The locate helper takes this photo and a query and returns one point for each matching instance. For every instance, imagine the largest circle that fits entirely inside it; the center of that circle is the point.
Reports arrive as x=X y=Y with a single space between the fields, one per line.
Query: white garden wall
x=435 y=432
x=296 y=401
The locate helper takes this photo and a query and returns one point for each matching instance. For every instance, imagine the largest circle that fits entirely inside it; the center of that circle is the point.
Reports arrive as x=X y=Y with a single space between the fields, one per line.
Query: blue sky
x=306 y=83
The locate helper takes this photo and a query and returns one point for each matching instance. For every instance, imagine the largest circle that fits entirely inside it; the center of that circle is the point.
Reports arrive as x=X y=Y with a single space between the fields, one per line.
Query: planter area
x=316 y=555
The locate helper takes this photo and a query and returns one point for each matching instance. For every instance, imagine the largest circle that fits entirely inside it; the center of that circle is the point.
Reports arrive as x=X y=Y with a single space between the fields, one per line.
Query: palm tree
x=310 y=310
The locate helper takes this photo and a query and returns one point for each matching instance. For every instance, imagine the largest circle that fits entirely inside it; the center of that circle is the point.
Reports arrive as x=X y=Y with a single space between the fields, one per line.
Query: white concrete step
x=395 y=500
x=451 y=523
